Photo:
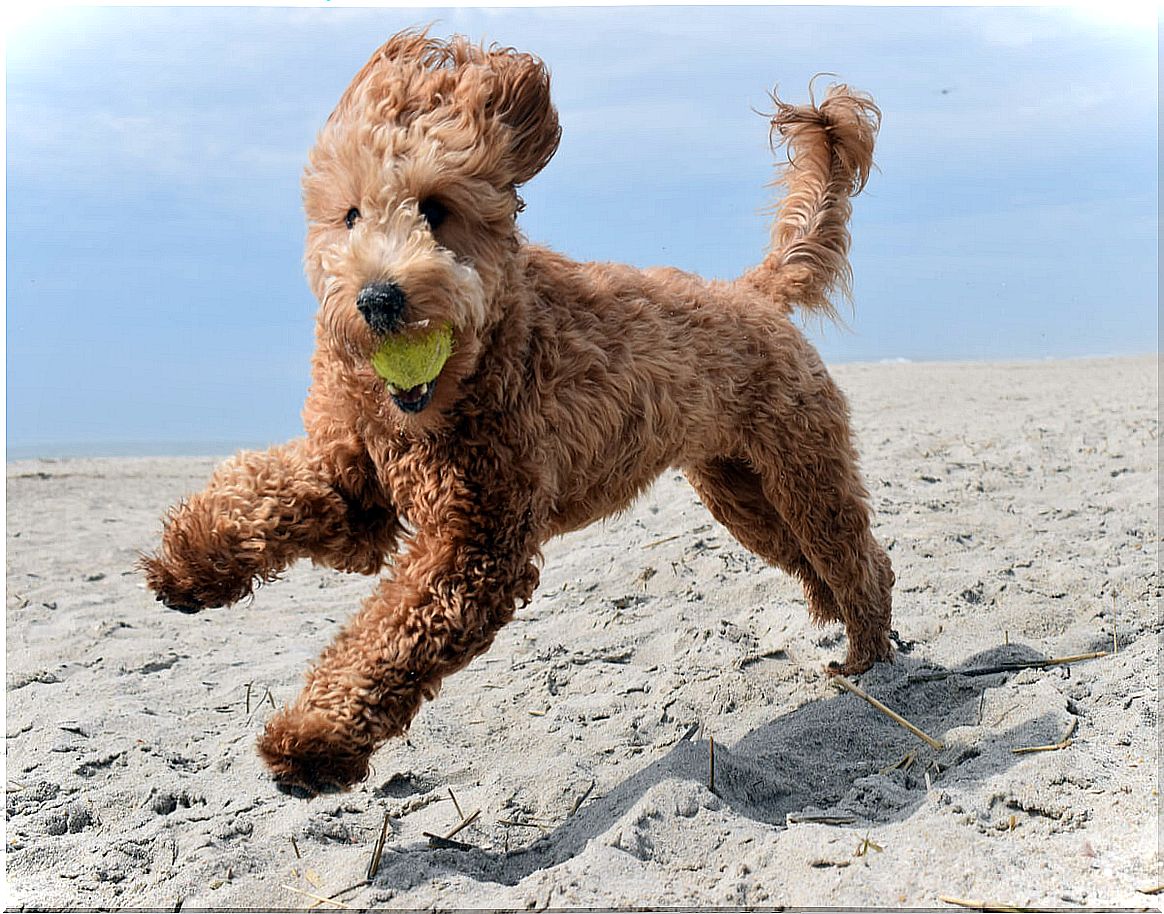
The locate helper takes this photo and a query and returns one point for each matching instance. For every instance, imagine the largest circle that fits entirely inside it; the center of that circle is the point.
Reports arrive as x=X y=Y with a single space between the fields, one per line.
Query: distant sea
x=223 y=447
x=71 y=449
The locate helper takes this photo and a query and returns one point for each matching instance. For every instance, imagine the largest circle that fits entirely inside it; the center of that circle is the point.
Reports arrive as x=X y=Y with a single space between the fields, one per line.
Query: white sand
x=1019 y=503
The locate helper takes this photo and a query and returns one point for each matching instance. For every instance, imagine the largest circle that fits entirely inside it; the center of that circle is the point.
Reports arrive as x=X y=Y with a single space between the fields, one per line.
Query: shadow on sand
x=832 y=756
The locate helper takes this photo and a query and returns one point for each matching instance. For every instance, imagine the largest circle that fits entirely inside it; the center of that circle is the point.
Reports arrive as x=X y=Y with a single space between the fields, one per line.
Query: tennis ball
x=406 y=360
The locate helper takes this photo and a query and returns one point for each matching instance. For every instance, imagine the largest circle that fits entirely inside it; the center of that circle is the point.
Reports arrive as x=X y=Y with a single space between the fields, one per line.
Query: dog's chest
x=429 y=481
x=408 y=477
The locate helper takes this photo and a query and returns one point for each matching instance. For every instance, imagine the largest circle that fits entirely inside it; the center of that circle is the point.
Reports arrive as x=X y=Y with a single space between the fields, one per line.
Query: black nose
x=382 y=304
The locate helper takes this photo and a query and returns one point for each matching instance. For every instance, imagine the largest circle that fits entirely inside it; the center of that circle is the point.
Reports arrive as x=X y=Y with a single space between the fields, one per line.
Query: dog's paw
x=170 y=589
x=182 y=589
x=859 y=660
x=307 y=756
x=836 y=668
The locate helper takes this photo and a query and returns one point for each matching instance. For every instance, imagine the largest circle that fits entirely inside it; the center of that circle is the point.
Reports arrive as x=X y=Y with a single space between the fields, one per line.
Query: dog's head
x=411 y=200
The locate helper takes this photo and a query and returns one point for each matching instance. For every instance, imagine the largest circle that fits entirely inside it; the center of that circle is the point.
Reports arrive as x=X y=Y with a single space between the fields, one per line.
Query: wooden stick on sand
x=1062 y=744
x=378 y=850
x=986 y=905
x=446 y=841
x=319 y=899
x=888 y=712
x=1005 y=667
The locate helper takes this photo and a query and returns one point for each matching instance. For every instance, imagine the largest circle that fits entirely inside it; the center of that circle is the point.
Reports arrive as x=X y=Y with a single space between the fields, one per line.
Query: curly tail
x=830 y=154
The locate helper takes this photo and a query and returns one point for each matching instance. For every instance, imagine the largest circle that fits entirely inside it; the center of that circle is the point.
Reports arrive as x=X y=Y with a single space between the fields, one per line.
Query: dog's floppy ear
x=521 y=101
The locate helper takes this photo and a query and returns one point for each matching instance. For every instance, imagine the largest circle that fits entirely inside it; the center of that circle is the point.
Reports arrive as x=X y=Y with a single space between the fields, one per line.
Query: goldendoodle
x=531 y=395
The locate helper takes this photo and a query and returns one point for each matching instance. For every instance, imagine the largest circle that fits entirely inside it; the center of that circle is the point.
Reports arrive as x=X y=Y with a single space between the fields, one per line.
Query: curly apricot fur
x=571 y=387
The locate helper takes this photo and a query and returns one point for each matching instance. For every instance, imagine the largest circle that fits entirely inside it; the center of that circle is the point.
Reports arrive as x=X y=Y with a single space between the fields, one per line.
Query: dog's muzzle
x=382 y=306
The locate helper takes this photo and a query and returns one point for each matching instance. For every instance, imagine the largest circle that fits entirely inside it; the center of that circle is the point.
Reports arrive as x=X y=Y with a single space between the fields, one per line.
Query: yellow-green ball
x=407 y=360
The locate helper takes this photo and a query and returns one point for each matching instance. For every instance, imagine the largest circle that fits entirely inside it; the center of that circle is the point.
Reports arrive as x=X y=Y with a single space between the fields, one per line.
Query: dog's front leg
x=261 y=512
x=458 y=583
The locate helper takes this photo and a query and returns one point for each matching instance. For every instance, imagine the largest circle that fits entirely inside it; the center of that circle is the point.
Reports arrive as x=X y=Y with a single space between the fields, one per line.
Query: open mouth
x=414 y=399
x=409 y=360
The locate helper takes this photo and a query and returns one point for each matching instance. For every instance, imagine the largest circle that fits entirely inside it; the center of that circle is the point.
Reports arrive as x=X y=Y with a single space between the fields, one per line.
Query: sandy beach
x=1019 y=503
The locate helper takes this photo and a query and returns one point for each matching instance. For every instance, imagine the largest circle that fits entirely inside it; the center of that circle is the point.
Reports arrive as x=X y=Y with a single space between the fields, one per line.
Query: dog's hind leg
x=733 y=493
x=820 y=494
x=808 y=472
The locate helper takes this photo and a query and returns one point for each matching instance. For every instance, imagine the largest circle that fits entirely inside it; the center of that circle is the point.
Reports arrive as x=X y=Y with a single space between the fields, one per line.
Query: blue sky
x=155 y=296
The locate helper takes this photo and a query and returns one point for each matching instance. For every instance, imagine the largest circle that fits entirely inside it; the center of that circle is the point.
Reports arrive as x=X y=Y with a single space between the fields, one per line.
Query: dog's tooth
x=392 y=389
x=423 y=389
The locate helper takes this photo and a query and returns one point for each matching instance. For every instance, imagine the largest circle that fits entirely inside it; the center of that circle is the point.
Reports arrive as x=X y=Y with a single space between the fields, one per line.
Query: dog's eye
x=434 y=212
x=352 y=215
